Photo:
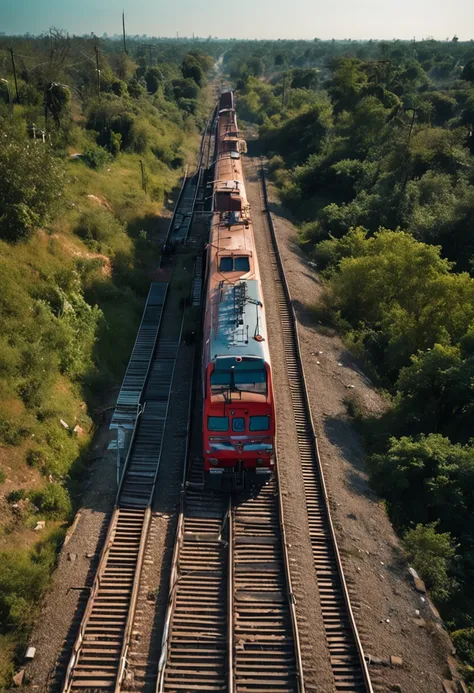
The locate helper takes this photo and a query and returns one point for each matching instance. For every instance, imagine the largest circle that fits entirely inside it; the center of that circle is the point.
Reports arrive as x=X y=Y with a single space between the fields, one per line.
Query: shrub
x=3 y=476
x=16 y=495
x=431 y=553
x=31 y=182
x=96 y=157
x=53 y=500
x=100 y=229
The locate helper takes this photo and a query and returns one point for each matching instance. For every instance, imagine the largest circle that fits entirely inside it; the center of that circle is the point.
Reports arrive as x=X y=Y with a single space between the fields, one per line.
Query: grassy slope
x=115 y=272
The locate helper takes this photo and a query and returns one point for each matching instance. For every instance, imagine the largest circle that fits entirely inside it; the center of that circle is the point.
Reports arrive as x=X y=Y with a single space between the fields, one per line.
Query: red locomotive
x=239 y=415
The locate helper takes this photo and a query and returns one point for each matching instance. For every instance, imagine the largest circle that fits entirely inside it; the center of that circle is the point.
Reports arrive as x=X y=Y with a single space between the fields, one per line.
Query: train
x=238 y=400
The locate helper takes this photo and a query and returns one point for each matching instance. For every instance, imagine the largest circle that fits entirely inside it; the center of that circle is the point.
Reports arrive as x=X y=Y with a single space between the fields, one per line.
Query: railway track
x=347 y=657
x=266 y=650
x=99 y=654
x=231 y=623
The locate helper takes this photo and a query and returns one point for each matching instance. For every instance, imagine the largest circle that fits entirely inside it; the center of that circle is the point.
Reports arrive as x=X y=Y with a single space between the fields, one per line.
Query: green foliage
x=98 y=157
x=101 y=230
x=23 y=579
x=427 y=479
x=16 y=495
x=53 y=501
x=436 y=392
x=400 y=296
x=31 y=182
x=431 y=554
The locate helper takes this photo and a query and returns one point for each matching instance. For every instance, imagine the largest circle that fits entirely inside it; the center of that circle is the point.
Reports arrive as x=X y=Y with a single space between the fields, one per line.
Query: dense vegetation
x=86 y=163
x=371 y=146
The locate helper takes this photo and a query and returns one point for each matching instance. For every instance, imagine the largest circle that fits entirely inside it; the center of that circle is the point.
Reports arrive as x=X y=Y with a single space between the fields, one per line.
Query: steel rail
x=347 y=655
x=176 y=207
x=199 y=171
x=265 y=640
x=289 y=584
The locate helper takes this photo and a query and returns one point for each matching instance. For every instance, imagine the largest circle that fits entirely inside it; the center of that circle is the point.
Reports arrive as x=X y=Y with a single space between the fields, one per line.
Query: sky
x=269 y=19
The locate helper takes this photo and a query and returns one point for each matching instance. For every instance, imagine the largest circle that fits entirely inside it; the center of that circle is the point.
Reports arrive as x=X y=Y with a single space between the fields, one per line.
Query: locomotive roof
x=237 y=318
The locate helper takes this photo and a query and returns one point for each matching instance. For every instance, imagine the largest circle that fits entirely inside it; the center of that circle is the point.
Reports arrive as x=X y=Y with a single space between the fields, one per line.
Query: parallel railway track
x=99 y=655
x=347 y=657
x=231 y=623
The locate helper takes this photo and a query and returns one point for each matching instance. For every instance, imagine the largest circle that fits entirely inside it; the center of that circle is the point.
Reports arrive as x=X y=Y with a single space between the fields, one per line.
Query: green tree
x=431 y=554
x=468 y=71
x=31 y=183
x=437 y=392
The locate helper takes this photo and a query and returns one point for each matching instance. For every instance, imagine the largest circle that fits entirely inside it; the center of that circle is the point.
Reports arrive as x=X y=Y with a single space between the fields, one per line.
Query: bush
x=53 y=501
x=96 y=157
x=31 y=183
x=16 y=495
x=100 y=229
x=3 y=476
x=431 y=553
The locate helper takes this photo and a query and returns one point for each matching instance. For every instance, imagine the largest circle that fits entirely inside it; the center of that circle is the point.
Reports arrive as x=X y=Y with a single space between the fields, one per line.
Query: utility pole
x=123 y=29
x=143 y=176
x=14 y=75
x=96 y=48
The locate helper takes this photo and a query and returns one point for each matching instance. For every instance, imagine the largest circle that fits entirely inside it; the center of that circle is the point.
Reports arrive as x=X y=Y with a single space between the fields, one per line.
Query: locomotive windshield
x=232 y=375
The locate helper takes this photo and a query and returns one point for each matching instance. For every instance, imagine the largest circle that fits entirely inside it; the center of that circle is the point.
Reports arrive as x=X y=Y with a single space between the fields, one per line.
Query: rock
x=420 y=622
x=350 y=387
x=449 y=686
x=41 y=524
x=396 y=661
x=63 y=423
x=417 y=612
x=461 y=687
x=419 y=585
x=18 y=678
x=71 y=557
x=89 y=554
x=434 y=611
x=30 y=652
x=413 y=572
x=396 y=687
x=453 y=667
x=78 y=430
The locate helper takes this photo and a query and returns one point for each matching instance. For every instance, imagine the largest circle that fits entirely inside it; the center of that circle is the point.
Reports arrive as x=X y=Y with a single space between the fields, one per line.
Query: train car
x=238 y=412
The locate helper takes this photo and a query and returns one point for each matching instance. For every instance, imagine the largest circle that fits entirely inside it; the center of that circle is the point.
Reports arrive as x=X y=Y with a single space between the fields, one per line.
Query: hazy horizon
x=260 y=19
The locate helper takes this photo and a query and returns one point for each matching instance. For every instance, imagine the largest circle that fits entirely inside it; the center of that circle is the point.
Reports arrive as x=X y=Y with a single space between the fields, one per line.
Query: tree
x=400 y=296
x=437 y=392
x=31 y=183
x=431 y=553
x=348 y=80
x=56 y=100
x=468 y=71
x=304 y=78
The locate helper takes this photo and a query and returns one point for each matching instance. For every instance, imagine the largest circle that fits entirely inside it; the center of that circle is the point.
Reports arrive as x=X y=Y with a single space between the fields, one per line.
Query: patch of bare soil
x=392 y=618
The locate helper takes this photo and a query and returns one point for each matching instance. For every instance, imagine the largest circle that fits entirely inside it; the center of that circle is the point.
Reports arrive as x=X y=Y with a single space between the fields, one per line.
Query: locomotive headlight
x=208 y=452
x=213 y=461
x=259 y=460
